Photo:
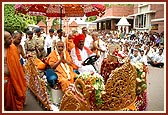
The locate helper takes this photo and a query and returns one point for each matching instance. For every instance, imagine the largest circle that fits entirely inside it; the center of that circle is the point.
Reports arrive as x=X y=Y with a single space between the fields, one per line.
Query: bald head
x=7 y=39
x=60 y=46
x=6 y=34
x=59 y=42
x=95 y=35
x=17 y=36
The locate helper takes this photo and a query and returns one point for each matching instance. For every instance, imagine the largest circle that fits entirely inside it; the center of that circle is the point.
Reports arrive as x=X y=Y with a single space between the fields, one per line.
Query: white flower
x=138 y=80
x=96 y=86
x=139 y=66
x=143 y=75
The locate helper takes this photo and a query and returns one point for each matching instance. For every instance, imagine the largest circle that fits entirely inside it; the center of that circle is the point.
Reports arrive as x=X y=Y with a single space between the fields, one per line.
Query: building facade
x=142 y=17
x=112 y=16
x=148 y=17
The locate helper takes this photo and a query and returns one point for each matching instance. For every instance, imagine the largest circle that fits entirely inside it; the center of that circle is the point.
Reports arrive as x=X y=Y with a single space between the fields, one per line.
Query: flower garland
x=64 y=66
x=141 y=77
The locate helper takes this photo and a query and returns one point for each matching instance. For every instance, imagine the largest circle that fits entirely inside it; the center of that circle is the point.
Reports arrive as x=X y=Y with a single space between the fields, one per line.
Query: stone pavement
x=156 y=89
x=32 y=104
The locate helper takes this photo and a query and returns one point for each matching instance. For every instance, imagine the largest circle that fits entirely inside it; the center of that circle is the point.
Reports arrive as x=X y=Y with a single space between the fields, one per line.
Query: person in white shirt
x=88 y=38
x=49 y=40
x=23 y=41
x=155 y=50
x=143 y=58
x=158 y=60
x=149 y=53
x=100 y=49
x=135 y=57
x=59 y=37
x=152 y=53
x=80 y=53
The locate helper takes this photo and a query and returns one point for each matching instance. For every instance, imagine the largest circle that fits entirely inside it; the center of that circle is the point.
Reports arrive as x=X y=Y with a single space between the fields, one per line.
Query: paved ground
x=32 y=103
x=155 y=91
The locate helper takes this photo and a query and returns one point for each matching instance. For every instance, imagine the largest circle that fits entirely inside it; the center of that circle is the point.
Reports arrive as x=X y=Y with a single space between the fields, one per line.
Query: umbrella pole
x=61 y=17
x=61 y=20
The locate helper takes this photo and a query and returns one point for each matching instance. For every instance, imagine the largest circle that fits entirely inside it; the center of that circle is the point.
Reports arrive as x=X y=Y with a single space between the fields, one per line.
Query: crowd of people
x=65 y=54
x=139 y=46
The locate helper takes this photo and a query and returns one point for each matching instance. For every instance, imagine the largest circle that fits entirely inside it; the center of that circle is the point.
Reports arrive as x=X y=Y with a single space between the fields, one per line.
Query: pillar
x=97 y=26
x=119 y=28
x=112 y=25
x=101 y=25
x=127 y=29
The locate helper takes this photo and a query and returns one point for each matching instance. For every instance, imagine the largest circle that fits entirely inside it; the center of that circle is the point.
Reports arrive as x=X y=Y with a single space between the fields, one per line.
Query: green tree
x=14 y=21
x=43 y=18
x=55 y=22
x=91 y=18
x=107 y=5
x=123 y=4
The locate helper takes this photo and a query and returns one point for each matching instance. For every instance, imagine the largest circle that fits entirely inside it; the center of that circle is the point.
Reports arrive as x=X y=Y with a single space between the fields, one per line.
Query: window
x=140 y=21
x=136 y=21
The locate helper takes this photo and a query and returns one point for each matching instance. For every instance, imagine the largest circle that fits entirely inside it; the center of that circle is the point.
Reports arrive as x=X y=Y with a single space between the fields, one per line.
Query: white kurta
x=159 y=58
x=84 y=56
x=143 y=59
x=88 y=41
x=134 y=59
x=49 y=42
x=102 y=55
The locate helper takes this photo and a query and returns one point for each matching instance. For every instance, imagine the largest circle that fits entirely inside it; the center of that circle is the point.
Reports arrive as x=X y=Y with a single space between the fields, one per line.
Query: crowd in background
x=146 y=44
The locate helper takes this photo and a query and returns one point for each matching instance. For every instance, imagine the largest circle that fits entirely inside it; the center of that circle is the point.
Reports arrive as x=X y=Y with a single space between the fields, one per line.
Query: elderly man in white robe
x=80 y=53
x=98 y=47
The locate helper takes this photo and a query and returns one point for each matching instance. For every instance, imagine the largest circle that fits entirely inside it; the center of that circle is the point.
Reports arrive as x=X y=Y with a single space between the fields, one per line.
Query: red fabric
x=78 y=38
x=78 y=53
x=76 y=42
x=15 y=88
x=53 y=10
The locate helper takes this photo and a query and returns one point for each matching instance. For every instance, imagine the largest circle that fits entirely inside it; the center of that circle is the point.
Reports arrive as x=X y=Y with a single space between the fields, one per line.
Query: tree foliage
x=109 y=5
x=14 y=21
x=91 y=18
x=55 y=22
x=43 y=18
x=123 y=4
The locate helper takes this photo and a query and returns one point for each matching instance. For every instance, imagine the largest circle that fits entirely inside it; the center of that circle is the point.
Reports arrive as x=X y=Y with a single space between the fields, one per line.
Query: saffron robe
x=62 y=76
x=15 y=87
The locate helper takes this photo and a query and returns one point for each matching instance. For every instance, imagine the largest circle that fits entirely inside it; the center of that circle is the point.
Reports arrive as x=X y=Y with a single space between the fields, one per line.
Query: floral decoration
x=96 y=81
x=141 y=77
